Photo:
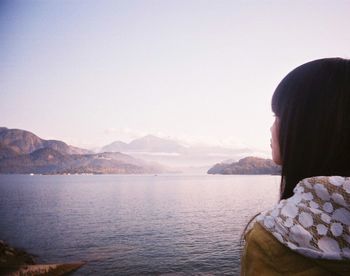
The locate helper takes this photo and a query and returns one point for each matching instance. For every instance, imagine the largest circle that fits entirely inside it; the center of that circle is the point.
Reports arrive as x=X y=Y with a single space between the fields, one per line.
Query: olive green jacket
x=264 y=255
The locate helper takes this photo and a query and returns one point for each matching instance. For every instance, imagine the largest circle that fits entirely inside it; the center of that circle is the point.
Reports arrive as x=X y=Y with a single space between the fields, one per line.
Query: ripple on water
x=134 y=225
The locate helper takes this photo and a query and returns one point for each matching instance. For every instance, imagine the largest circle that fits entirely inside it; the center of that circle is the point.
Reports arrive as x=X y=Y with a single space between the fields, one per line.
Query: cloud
x=123 y=134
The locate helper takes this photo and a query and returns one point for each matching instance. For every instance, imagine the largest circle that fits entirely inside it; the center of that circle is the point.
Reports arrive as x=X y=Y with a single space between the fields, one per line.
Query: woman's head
x=312 y=106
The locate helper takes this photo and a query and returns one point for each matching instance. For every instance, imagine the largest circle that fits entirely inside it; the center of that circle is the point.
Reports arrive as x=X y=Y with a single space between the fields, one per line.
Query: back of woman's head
x=313 y=106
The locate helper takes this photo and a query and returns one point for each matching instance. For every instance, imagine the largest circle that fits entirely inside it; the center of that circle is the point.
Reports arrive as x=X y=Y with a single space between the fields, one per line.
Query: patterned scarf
x=315 y=221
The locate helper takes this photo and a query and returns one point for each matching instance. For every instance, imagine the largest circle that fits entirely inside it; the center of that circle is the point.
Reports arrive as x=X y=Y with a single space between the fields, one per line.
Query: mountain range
x=23 y=152
x=148 y=143
x=175 y=153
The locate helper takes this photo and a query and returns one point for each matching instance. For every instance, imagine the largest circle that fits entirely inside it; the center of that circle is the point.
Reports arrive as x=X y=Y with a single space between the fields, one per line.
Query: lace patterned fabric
x=315 y=221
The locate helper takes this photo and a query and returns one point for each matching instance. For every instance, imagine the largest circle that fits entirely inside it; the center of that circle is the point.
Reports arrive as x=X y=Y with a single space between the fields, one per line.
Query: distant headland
x=248 y=165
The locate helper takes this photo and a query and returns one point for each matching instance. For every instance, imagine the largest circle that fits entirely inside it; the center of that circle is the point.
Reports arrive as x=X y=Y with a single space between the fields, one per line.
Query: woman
x=308 y=232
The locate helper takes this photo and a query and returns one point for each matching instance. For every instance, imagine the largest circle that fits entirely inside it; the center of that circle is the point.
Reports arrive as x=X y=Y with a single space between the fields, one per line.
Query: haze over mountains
x=176 y=154
x=147 y=144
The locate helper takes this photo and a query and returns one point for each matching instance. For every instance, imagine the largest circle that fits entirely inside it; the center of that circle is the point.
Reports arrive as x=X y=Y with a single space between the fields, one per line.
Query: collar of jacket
x=315 y=221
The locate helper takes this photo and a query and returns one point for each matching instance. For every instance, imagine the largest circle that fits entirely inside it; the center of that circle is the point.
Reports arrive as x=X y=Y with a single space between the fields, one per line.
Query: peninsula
x=247 y=165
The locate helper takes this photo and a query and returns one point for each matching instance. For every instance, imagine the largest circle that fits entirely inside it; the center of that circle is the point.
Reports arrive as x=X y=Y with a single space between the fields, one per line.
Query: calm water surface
x=134 y=224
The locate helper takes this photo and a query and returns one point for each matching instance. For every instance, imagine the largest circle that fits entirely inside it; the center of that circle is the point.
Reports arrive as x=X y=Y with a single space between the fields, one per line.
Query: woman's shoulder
x=265 y=255
x=315 y=221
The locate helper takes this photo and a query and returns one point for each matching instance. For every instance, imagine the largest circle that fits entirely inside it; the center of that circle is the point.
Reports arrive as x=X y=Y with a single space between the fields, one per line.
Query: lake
x=134 y=224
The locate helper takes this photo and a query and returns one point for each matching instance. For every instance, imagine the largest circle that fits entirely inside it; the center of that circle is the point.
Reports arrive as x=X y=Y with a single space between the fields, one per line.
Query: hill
x=50 y=161
x=248 y=165
x=22 y=142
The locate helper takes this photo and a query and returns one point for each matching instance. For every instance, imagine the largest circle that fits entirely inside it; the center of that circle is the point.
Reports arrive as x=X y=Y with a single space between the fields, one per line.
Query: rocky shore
x=15 y=262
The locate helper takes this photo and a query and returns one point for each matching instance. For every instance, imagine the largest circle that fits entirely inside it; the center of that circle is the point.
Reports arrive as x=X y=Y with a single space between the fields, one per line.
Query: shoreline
x=14 y=261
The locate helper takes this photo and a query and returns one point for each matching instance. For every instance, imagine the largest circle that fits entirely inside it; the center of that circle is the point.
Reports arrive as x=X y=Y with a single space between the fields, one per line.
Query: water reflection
x=134 y=224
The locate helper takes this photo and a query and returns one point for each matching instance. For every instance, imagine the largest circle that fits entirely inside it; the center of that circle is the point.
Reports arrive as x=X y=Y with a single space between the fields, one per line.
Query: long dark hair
x=313 y=105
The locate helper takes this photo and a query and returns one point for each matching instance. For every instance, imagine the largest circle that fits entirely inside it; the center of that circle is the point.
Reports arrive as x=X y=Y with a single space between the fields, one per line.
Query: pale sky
x=92 y=72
